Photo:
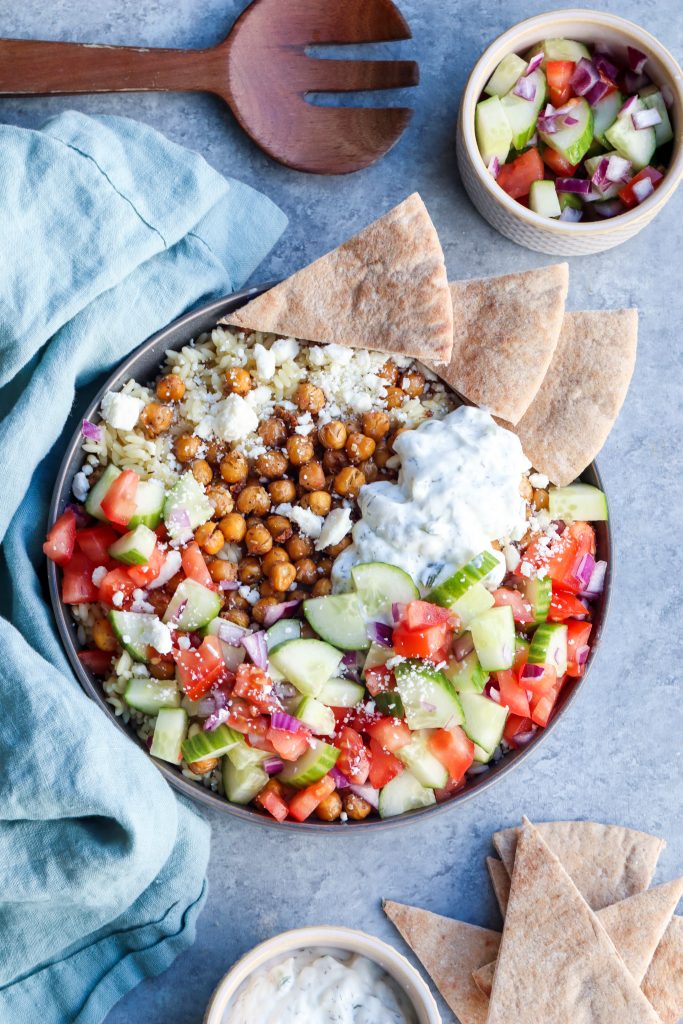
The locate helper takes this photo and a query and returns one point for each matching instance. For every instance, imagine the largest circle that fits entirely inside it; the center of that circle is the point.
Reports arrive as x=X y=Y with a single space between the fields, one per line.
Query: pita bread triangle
x=386 y=288
x=500 y=880
x=663 y=984
x=555 y=955
x=607 y=863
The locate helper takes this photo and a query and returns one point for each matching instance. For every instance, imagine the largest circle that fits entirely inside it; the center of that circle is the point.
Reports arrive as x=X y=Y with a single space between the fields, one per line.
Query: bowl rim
x=502 y=44
x=176 y=334
x=350 y=940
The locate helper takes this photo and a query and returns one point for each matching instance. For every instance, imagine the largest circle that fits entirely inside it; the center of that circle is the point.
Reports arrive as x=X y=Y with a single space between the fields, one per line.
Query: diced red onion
x=426 y=706
x=578 y=186
x=618 y=168
x=600 y=176
x=216 y=719
x=180 y=517
x=628 y=106
x=605 y=65
x=522 y=738
x=339 y=779
x=463 y=646
x=534 y=63
x=571 y=215
x=646 y=118
x=532 y=671
x=585 y=76
x=547 y=123
x=636 y=59
x=274 y=612
x=178 y=612
x=228 y=585
x=634 y=83
x=597 y=92
x=525 y=88
x=273 y=765
x=368 y=793
x=79 y=512
x=288 y=723
x=494 y=695
x=256 y=647
x=91 y=431
x=477 y=769
x=171 y=565
x=397 y=611
x=610 y=208
x=582 y=654
x=642 y=189
x=596 y=584
x=494 y=167
x=570 y=120
x=230 y=633
x=350 y=659
x=205 y=707
x=583 y=570
x=380 y=633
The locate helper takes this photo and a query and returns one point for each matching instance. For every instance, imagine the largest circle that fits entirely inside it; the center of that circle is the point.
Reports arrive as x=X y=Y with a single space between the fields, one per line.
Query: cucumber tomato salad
x=374 y=668
x=575 y=132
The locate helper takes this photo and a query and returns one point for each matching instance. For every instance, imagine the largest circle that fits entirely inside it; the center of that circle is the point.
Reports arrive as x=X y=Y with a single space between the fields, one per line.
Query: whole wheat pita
x=663 y=984
x=500 y=880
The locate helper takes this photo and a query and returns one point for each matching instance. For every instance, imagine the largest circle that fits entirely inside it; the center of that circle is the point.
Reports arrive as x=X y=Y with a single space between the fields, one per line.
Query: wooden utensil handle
x=30 y=67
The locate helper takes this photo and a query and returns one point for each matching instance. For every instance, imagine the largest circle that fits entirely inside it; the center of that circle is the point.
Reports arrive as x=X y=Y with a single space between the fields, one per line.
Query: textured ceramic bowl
x=345 y=939
x=143 y=364
x=564 y=238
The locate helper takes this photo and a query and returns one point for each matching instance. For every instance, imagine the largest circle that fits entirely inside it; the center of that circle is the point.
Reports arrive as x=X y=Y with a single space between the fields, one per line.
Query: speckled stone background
x=617 y=755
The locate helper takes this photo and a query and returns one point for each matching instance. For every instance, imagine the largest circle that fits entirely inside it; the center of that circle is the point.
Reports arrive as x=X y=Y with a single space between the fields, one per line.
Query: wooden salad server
x=262 y=72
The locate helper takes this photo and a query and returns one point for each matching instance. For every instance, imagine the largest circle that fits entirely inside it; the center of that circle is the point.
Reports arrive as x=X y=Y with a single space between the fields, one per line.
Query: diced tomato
x=558 y=164
x=516 y=178
x=289 y=745
x=379 y=679
x=95 y=542
x=515 y=726
x=628 y=196
x=353 y=760
x=422 y=614
x=543 y=704
x=564 y=606
x=244 y=717
x=390 y=733
x=558 y=74
x=384 y=766
x=118 y=503
x=97 y=662
x=255 y=685
x=452 y=786
x=540 y=684
x=117 y=581
x=520 y=659
x=302 y=805
x=432 y=643
x=512 y=695
x=359 y=718
x=577 y=637
x=521 y=609
x=274 y=804
x=59 y=545
x=144 y=574
x=584 y=535
x=77 y=584
x=195 y=567
x=557 y=556
x=199 y=668
x=453 y=748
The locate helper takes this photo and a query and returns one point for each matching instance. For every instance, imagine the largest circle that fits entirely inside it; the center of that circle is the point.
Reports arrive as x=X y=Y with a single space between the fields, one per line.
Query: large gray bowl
x=143 y=364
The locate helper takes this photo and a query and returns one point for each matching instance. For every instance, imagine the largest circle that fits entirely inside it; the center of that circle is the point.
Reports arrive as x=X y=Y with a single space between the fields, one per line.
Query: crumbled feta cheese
x=235 y=419
x=87 y=469
x=80 y=486
x=117 y=598
x=121 y=411
x=98 y=575
x=337 y=524
x=284 y=349
x=157 y=635
x=526 y=569
x=393 y=662
x=184 y=643
x=343 y=816
x=248 y=594
x=308 y=522
x=539 y=480
x=168 y=570
x=265 y=362
x=305 y=424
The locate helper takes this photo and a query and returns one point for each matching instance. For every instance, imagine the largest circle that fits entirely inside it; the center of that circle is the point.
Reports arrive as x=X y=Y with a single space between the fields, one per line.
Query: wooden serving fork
x=262 y=72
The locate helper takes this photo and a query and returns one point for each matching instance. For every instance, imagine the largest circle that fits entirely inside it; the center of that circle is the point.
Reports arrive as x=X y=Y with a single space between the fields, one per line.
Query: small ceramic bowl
x=346 y=940
x=564 y=238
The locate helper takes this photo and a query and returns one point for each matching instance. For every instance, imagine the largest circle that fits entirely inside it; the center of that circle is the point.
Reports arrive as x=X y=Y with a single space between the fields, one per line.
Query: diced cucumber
x=341 y=693
x=241 y=785
x=573 y=141
x=339 y=619
x=538 y=593
x=467 y=675
x=569 y=199
x=492 y=129
x=404 y=793
x=473 y=602
x=578 y=501
x=149 y=695
x=232 y=656
x=317 y=716
x=379 y=585
x=457 y=585
x=135 y=547
x=192 y=606
x=428 y=696
x=522 y=114
x=549 y=647
x=210 y=744
x=389 y=703
x=149 y=504
x=543 y=199
x=241 y=755
x=316 y=762
x=132 y=629
x=426 y=768
x=308 y=664
x=663 y=131
x=93 y=503
x=522 y=645
x=505 y=76
x=482 y=756
x=169 y=733
x=186 y=501
x=605 y=113
x=484 y=720
x=560 y=49
x=493 y=634
x=282 y=631
x=592 y=164
x=378 y=655
x=634 y=144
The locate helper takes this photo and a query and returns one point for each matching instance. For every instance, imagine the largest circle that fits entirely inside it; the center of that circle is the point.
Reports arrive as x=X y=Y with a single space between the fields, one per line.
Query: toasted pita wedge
x=607 y=863
x=386 y=288
x=584 y=980
x=500 y=880
x=505 y=330
x=449 y=951
x=663 y=984
x=635 y=926
x=579 y=400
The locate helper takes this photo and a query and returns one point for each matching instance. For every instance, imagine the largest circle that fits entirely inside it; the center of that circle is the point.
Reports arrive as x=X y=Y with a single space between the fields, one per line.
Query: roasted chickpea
x=253 y=521
x=334 y=461
x=299 y=547
x=336 y=549
x=279 y=528
x=525 y=489
x=162 y=669
x=186 y=447
x=273 y=432
x=239 y=617
x=376 y=425
x=214 y=453
x=282 y=491
x=321 y=588
x=258 y=540
x=298 y=595
x=235 y=600
x=382 y=455
x=369 y=470
x=271 y=464
x=222 y=570
x=300 y=450
x=159 y=601
x=233 y=527
x=355 y=806
x=209 y=537
x=306 y=571
x=312 y=477
x=202 y=472
x=253 y=499
x=282 y=575
x=274 y=556
x=395 y=397
x=103 y=636
x=204 y=766
x=318 y=502
x=156 y=419
x=330 y=808
x=234 y=468
x=259 y=609
x=541 y=498
x=348 y=482
x=309 y=398
x=170 y=388
x=332 y=435
x=325 y=566
x=249 y=571
x=413 y=383
x=237 y=380
x=359 y=447
x=266 y=589
x=221 y=499
x=389 y=372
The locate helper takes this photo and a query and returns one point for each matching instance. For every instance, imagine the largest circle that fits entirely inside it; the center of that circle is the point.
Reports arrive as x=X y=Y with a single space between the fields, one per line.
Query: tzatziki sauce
x=457 y=490
x=320 y=986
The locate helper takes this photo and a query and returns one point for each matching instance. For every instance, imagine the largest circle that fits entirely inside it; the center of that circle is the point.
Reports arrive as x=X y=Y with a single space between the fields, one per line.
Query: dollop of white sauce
x=457 y=490
x=316 y=986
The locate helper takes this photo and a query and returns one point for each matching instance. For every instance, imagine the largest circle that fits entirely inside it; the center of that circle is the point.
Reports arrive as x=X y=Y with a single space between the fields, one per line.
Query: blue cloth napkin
x=108 y=232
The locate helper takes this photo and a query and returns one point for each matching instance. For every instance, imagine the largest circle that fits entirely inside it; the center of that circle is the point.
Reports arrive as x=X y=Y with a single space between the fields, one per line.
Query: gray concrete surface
x=617 y=755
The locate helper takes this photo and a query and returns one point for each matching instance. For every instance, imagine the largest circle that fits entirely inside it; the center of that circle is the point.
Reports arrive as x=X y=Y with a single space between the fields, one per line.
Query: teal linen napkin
x=108 y=232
